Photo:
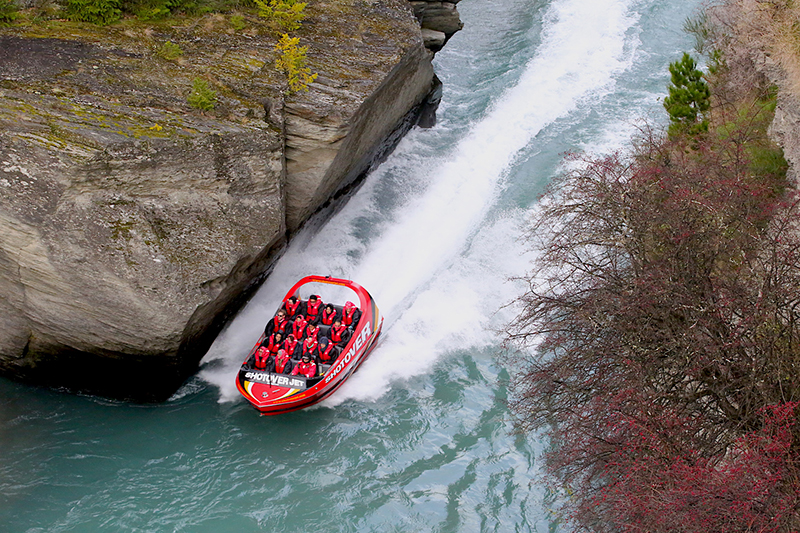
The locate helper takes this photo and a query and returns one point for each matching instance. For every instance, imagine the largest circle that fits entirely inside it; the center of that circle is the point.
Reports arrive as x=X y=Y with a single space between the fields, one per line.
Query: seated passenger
x=292 y=346
x=310 y=347
x=292 y=306
x=274 y=343
x=350 y=314
x=340 y=334
x=312 y=330
x=283 y=363
x=262 y=357
x=278 y=323
x=328 y=315
x=313 y=309
x=306 y=367
x=299 y=327
x=328 y=352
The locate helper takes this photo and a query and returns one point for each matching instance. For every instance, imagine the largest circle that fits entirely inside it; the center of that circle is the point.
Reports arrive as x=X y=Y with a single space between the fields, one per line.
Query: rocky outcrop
x=439 y=21
x=785 y=130
x=132 y=224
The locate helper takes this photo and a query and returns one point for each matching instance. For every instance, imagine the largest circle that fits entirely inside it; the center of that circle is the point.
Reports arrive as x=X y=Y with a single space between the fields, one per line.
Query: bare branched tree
x=665 y=310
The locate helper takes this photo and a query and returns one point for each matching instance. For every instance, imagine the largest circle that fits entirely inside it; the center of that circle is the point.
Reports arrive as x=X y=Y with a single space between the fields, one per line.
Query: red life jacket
x=280 y=362
x=261 y=358
x=278 y=324
x=310 y=347
x=272 y=346
x=298 y=328
x=291 y=308
x=328 y=318
x=336 y=333
x=327 y=354
x=312 y=310
x=348 y=312
x=290 y=345
x=308 y=370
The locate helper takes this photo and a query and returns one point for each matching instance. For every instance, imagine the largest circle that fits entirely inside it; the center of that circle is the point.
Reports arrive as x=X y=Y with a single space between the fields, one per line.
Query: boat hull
x=273 y=394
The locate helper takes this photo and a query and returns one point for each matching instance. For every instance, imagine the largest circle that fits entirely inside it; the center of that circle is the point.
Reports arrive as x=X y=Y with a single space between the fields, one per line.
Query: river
x=420 y=439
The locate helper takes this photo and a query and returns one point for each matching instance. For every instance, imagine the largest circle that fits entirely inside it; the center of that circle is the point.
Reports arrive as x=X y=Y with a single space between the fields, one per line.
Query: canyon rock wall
x=132 y=225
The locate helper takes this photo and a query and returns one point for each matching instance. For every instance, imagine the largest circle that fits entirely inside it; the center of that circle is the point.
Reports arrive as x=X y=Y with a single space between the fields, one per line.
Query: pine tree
x=689 y=98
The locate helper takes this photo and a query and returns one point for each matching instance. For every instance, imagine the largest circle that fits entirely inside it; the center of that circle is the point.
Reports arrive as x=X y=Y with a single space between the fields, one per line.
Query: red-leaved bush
x=665 y=307
x=651 y=486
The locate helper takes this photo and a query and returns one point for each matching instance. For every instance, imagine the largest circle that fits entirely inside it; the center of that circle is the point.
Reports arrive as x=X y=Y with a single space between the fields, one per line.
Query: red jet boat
x=274 y=393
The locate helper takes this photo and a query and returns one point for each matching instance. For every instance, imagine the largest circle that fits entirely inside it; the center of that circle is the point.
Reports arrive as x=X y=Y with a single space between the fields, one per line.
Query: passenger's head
x=337 y=322
x=278 y=337
x=282 y=354
x=299 y=317
x=281 y=314
x=290 y=337
x=293 y=299
x=312 y=298
x=306 y=358
x=329 y=307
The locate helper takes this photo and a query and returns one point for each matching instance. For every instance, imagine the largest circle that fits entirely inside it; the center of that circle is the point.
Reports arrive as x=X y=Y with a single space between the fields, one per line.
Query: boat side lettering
x=365 y=333
x=278 y=380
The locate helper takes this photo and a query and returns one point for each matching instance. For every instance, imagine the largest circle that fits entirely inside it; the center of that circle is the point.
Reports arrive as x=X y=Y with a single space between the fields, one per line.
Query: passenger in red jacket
x=312 y=330
x=339 y=333
x=328 y=352
x=299 y=327
x=278 y=323
x=274 y=343
x=328 y=315
x=283 y=363
x=306 y=367
x=262 y=356
x=313 y=309
x=292 y=306
x=350 y=314
x=310 y=348
x=292 y=346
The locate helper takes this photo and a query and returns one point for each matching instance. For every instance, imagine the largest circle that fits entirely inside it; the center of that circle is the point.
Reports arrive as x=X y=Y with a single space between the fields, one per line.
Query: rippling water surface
x=420 y=439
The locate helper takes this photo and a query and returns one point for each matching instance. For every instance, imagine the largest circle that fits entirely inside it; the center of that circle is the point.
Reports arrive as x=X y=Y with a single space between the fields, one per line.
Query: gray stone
x=433 y=39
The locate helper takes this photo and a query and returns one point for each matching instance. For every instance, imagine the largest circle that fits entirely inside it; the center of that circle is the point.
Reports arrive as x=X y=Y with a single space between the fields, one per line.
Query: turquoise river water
x=420 y=438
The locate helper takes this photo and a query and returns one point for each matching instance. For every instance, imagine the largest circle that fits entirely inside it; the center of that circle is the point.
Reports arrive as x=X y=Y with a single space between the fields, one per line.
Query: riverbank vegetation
x=275 y=18
x=665 y=313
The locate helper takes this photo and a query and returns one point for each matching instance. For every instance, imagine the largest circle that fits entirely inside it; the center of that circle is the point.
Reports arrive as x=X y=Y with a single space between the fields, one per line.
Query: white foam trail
x=434 y=293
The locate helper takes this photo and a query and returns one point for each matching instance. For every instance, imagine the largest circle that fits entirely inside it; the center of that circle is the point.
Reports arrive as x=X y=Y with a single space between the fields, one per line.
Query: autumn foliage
x=665 y=313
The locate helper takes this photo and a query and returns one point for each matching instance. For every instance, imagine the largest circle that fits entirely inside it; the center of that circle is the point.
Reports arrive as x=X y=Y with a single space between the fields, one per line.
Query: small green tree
x=689 y=98
x=292 y=61
x=202 y=97
x=287 y=14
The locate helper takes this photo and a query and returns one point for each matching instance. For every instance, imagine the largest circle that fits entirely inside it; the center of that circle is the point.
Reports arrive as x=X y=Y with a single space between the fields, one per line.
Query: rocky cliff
x=133 y=225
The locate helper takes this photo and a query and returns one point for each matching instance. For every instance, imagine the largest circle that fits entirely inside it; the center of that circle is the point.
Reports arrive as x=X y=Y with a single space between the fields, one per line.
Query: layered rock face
x=132 y=225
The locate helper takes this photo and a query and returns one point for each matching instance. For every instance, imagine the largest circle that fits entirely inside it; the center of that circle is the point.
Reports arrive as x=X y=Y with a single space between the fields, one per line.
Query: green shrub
x=286 y=14
x=8 y=11
x=159 y=9
x=99 y=12
x=237 y=22
x=292 y=61
x=170 y=51
x=202 y=96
